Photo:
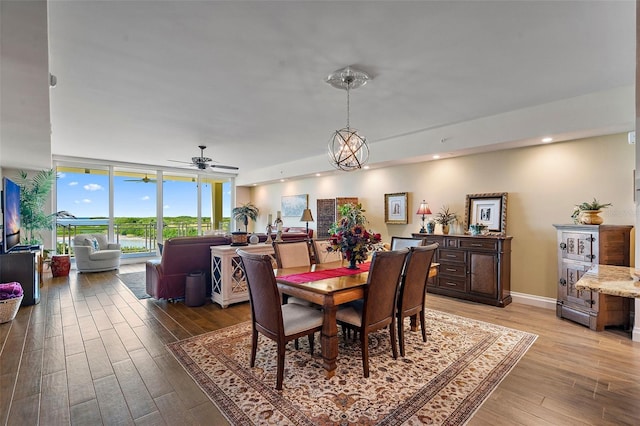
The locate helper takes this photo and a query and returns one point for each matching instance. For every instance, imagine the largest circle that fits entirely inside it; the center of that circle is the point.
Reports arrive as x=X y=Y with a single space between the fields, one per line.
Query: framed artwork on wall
x=395 y=208
x=487 y=209
x=293 y=205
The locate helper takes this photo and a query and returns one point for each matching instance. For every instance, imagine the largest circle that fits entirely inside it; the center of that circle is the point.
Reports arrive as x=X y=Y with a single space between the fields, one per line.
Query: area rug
x=136 y=281
x=443 y=381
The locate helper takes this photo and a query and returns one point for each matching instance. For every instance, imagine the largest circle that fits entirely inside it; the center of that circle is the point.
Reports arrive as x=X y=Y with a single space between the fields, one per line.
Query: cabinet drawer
x=452 y=269
x=451 y=256
x=451 y=283
x=480 y=243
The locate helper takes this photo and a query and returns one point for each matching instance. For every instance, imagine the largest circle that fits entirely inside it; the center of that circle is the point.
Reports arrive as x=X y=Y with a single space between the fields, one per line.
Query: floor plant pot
x=60 y=265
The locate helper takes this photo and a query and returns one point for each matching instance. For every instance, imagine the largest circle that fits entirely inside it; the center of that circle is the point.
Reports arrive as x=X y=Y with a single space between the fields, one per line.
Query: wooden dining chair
x=413 y=289
x=398 y=243
x=321 y=253
x=378 y=308
x=281 y=323
x=291 y=254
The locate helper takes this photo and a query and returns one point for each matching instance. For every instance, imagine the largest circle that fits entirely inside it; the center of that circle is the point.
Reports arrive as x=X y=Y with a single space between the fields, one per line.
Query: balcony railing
x=134 y=238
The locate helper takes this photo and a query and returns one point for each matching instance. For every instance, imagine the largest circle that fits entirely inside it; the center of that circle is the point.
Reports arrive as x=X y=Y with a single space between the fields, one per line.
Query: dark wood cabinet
x=23 y=267
x=579 y=248
x=476 y=268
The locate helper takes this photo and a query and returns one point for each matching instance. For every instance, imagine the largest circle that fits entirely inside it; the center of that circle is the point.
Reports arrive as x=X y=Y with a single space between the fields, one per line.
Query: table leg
x=329 y=339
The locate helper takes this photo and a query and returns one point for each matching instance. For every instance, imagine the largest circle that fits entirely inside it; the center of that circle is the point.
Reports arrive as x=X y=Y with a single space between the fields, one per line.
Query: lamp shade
x=424 y=208
x=306 y=216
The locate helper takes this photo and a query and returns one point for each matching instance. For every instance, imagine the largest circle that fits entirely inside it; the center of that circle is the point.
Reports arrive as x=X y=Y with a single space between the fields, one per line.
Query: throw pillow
x=93 y=243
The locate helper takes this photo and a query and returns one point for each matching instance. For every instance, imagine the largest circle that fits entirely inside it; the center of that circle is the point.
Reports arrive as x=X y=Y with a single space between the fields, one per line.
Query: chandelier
x=347 y=149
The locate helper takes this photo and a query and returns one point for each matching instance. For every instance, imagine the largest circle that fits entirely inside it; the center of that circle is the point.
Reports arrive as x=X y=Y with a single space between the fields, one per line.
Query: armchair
x=94 y=253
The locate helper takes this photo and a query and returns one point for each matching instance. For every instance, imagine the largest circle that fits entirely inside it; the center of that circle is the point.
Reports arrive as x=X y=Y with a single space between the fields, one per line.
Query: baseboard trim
x=533 y=300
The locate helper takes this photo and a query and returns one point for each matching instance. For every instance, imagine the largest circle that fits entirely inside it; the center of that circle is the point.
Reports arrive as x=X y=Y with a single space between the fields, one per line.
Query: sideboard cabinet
x=579 y=248
x=472 y=267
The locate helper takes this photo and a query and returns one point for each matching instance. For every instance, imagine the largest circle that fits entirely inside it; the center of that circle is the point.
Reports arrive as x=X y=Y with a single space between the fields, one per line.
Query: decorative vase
x=430 y=226
x=254 y=239
x=590 y=217
x=352 y=263
x=60 y=265
x=445 y=229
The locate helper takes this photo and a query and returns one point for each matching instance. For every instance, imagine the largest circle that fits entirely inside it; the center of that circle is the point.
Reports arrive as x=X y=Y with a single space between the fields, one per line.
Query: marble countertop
x=614 y=280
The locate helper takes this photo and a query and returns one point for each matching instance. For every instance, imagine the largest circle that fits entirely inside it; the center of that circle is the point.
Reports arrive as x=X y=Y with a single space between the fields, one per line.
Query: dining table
x=329 y=285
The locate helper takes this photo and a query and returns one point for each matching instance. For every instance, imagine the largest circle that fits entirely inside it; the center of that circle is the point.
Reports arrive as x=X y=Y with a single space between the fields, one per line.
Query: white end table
x=228 y=284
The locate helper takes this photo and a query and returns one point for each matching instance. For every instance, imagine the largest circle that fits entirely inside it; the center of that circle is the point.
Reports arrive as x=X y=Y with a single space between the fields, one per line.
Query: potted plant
x=445 y=217
x=586 y=213
x=242 y=214
x=34 y=193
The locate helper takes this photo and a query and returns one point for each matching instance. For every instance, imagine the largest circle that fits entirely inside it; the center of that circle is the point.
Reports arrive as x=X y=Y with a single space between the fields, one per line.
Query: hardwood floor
x=91 y=353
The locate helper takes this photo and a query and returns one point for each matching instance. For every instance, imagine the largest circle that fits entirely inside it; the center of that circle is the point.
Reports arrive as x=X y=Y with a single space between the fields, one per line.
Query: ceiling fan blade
x=220 y=166
x=183 y=162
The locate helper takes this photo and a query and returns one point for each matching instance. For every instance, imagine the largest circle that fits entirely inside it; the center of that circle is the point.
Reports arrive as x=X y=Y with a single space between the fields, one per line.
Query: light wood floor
x=91 y=353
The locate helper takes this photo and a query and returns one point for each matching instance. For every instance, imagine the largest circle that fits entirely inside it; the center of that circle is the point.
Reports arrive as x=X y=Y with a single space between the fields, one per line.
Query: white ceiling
x=148 y=81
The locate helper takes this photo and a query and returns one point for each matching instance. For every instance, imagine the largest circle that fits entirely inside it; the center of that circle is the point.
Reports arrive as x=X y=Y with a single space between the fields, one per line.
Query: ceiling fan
x=145 y=179
x=202 y=162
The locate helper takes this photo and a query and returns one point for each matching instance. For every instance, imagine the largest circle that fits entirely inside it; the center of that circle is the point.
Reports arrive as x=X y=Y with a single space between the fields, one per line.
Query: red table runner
x=306 y=277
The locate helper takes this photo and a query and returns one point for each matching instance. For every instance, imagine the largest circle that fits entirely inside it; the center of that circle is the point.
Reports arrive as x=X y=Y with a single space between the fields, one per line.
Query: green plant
x=34 y=193
x=445 y=216
x=244 y=213
x=593 y=205
x=349 y=236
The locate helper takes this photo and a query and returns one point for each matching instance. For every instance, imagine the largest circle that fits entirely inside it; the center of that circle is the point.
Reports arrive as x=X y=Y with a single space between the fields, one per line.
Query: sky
x=87 y=195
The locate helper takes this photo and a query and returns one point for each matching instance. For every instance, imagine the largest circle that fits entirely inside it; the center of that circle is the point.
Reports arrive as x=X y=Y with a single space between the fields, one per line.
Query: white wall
x=544 y=183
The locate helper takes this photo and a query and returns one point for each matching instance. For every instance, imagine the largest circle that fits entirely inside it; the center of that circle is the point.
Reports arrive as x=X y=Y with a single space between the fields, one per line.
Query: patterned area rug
x=136 y=281
x=443 y=381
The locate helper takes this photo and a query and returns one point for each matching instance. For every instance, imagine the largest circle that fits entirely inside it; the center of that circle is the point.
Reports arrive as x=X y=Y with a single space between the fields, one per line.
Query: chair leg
x=364 y=344
x=422 y=323
x=254 y=345
x=280 y=370
x=295 y=344
x=311 y=342
x=401 y=335
x=392 y=336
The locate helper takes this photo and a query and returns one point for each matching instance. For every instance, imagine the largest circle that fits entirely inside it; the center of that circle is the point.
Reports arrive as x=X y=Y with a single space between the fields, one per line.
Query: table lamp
x=423 y=210
x=307 y=217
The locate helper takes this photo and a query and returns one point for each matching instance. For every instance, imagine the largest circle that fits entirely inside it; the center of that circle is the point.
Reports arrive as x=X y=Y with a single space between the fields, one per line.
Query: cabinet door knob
x=563 y=282
x=563 y=246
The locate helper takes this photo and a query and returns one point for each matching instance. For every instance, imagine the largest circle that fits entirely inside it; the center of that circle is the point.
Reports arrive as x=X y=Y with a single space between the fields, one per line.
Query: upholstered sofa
x=94 y=253
x=166 y=277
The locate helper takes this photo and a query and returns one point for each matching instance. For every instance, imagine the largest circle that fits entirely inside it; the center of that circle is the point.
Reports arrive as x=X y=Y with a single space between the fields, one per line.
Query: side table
x=228 y=284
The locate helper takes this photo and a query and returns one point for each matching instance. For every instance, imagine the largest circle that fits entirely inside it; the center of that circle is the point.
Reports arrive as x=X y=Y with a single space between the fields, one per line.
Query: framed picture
x=487 y=209
x=395 y=208
x=293 y=205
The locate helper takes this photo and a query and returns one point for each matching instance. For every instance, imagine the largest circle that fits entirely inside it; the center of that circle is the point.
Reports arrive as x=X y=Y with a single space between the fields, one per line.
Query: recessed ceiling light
x=547 y=139
x=366 y=167
x=318 y=174
x=281 y=180
x=436 y=156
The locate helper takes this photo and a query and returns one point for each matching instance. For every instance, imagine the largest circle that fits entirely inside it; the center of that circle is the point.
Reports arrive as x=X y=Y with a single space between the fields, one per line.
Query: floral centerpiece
x=349 y=235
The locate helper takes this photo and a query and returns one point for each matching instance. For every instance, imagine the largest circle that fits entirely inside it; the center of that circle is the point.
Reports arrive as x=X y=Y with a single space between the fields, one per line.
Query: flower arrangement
x=349 y=235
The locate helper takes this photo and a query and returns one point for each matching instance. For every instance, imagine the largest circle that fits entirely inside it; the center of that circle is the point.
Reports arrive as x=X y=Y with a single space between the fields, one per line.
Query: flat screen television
x=10 y=215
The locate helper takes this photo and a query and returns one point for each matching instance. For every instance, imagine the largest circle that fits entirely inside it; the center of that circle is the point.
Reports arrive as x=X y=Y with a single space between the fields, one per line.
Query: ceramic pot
x=445 y=229
x=590 y=217
x=254 y=239
x=430 y=226
x=60 y=265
